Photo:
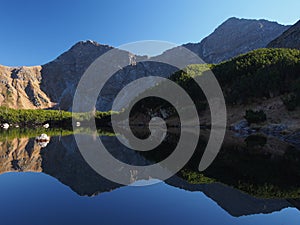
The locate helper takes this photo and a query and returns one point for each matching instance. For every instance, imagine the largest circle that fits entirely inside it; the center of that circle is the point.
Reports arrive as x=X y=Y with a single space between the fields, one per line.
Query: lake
x=54 y=185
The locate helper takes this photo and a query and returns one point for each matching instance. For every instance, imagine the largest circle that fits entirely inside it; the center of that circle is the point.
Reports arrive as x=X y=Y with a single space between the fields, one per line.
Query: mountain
x=61 y=76
x=289 y=39
x=234 y=37
x=53 y=85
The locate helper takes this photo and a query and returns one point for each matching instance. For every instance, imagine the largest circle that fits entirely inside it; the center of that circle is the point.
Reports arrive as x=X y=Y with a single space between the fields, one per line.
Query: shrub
x=290 y=101
x=255 y=116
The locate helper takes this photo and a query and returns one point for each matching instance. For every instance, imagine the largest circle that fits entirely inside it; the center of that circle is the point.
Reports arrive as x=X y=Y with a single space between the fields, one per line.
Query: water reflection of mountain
x=235 y=202
x=62 y=160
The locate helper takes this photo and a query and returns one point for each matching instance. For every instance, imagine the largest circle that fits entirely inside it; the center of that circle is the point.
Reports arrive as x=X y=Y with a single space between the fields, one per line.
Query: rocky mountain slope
x=20 y=88
x=54 y=84
x=289 y=39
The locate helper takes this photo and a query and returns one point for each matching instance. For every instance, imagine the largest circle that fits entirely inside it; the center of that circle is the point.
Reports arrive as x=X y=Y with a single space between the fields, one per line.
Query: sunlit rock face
x=20 y=88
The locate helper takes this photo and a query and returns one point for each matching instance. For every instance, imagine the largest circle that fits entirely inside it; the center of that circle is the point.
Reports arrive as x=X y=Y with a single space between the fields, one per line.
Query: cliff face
x=289 y=39
x=20 y=88
x=234 y=37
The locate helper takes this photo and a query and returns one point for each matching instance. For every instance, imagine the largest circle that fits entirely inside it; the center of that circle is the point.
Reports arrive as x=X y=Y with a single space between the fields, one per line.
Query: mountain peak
x=83 y=51
x=236 y=36
x=232 y=19
x=88 y=43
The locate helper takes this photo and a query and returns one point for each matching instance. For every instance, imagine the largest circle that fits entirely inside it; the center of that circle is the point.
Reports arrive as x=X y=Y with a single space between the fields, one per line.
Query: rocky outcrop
x=234 y=37
x=289 y=39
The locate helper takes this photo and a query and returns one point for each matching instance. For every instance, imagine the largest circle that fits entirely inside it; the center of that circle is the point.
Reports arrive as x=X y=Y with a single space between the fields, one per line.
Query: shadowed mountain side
x=62 y=160
x=61 y=76
x=295 y=203
x=289 y=39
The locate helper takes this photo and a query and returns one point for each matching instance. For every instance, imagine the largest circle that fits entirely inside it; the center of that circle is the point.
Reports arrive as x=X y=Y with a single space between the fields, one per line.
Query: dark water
x=54 y=185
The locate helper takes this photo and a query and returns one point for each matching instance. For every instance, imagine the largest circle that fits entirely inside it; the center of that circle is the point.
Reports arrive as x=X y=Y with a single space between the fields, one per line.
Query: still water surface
x=61 y=189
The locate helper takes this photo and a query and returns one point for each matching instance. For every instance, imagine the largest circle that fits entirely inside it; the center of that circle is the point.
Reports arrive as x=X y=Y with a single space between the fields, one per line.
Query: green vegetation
x=28 y=116
x=255 y=116
x=31 y=133
x=195 y=177
x=260 y=73
x=32 y=117
x=183 y=78
x=13 y=133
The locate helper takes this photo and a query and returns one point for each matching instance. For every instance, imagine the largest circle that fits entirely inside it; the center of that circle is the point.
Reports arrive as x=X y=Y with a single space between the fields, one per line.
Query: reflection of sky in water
x=36 y=198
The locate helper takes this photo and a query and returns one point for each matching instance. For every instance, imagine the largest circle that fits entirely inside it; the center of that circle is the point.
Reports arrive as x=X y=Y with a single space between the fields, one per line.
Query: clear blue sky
x=36 y=31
